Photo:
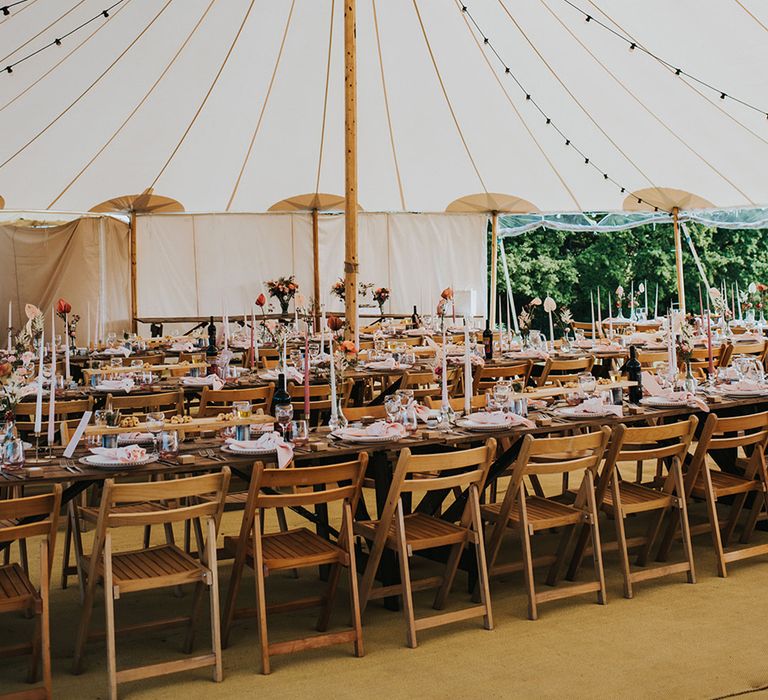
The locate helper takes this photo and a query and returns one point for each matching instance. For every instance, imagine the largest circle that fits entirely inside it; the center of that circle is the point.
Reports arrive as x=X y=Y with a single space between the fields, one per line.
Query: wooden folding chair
x=587 y=328
x=68 y=414
x=22 y=518
x=750 y=434
x=477 y=402
x=296 y=549
x=319 y=401
x=199 y=498
x=648 y=358
x=530 y=514
x=414 y=532
x=559 y=372
x=213 y=402
x=170 y=403
x=757 y=349
x=155 y=358
x=620 y=498
x=486 y=377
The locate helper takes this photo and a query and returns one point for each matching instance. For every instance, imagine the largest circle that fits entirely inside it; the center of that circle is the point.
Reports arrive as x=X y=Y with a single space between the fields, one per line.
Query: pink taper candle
x=306 y=375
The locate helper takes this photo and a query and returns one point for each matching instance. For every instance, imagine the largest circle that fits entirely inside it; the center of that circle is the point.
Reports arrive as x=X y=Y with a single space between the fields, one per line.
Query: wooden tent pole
x=316 y=259
x=494 y=265
x=350 y=170
x=134 y=292
x=679 y=259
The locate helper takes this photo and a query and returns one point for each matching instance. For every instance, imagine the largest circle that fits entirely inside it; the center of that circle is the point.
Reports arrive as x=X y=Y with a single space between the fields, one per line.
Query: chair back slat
x=206 y=509
x=311 y=476
x=462 y=481
x=214 y=401
x=447 y=460
x=166 y=490
x=307 y=498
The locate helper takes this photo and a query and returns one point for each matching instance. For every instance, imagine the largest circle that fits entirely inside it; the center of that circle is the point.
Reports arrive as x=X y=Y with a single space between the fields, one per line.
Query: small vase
x=284 y=304
x=338 y=421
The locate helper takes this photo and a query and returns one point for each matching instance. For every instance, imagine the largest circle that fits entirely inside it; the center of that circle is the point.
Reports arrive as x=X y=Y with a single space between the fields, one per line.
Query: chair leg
x=714 y=523
x=109 y=609
x=213 y=588
x=261 y=595
x=737 y=507
x=85 y=616
x=677 y=473
x=405 y=577
x=24 y=556
x=34 y=657
x=67 y=555
x=525 y=541
x=482 y=567
x=45 y=627
x=754 y=514
x=621 y=535
x=451 y=567
x=235 y=578
x=597 y=550
x=354 y=596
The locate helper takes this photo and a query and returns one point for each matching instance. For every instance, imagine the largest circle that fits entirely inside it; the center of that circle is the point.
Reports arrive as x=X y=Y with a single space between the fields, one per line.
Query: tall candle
x=592 y=311
x=39 y=397
x=357 y=327
x=514 y=312
x=66 y=347
x=322 y=329
x=610 y=318
x=334 y=405
x=733 y=302
x=599 y=312
x=306 y=377
x=646 y=297
x=710 y=360
x=253 y=337
x=701 y=303
x=89 y=325
x=96 y=332
x=632 y=300
x=10 y=324
x=445 y=404
x=52 y=393
x=551 y=330
x=738 y=296
x=467 y=371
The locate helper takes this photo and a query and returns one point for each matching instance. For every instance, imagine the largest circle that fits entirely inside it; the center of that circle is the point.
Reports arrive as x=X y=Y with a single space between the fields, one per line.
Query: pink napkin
x=378 y=429
x=597 y=407
x=612 y=347
x=503 y=420
x=748 y=338
x=126 y=455
x=183 y=347
x=389 y=363
x=291 y=375
x=582 y=343
x=423 y=413
x=746 y=385
x=118 y=351
x=116 y=385
x=526 y=354
x=652 y=387
x=417 y=331
x=212 y=380
x=268 y=441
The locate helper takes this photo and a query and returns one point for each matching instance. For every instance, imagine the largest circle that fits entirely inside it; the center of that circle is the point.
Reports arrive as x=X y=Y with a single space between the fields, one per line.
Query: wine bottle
x=281 y=399
x=634 y=372
x=415 y=320
x=211 y=349
x=488 y=340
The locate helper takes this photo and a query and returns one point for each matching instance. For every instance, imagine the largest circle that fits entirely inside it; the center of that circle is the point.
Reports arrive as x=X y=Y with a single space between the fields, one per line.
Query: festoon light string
x=58 y=40
x=633 y=45
x=548 y=119
x=6 y=9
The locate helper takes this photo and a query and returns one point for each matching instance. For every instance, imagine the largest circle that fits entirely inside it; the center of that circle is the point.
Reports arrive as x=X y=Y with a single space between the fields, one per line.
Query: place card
x=78 y=434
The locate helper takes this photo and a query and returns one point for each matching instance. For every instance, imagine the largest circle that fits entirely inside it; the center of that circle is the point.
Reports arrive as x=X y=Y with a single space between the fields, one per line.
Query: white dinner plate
x=482 y=427
x=572 y=413
x=243 y=451
x=105 y=463
x=744 y=393
x=661 y=402
x=366 y=438
x=137 y=439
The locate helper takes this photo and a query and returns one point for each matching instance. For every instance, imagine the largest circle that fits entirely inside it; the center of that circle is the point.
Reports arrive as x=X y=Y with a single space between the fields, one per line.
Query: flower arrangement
x=64 y=312
x=338 y=290
x=526 y=316
x=345 y=356
x=381 y=296
x=564 y=319
x=686 y=338
x=719 y=305
x=283 y=289
x=17 y=368
x=619 y=298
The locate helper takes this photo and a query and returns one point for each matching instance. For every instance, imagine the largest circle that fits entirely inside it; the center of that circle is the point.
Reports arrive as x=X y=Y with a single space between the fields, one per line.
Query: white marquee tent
x=231 y=106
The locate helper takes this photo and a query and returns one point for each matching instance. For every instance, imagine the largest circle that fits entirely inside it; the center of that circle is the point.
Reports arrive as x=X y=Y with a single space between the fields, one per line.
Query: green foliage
x=567 y=266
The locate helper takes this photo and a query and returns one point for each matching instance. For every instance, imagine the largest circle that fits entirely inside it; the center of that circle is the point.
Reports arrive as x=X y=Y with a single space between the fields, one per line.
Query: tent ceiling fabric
x=170 y=94
x=308 y=202
x=492 y=201
x=664 y=198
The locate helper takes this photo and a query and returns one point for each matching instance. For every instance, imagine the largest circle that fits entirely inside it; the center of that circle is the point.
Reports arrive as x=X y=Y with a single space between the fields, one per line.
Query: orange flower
x=261 y=300
x=5 y=369
x=63 y=307
x=447 y=293
x=348 y=347
x=335 y=323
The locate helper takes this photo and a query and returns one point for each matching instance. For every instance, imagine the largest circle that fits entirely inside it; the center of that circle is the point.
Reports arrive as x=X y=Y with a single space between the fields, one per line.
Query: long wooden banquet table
x=323 y=447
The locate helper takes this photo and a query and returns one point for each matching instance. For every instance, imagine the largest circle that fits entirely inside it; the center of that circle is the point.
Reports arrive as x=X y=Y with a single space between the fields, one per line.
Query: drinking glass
x=243 y=409
x=155 y=423
x=296 y=359
x=587 y=383
x=169 y=444
x=300 y=432
x=13 y=453
x=392 y=406
x=283 y=415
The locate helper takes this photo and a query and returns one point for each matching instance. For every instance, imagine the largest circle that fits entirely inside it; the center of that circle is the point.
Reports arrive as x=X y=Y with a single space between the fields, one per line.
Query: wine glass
x=392 y=406
x=300 y=432
x=155 y=423
x=587 y=383
x=284 y=415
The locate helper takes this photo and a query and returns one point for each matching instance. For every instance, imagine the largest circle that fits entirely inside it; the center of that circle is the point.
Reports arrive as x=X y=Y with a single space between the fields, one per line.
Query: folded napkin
x=503 y=420
x=418 y=332
x=748 y=338
x=652 y=387
x=378 y=429
x=125 y=455
x=117 y=351
x=529 y=354
x=116 y=385
x=212 y=380
x=291 y=375
x=268 y=441
x=423 y=413
x=387 y=364
x=184 y=347
x=611 y=347
x=596 y=406
x=655 y=345
x=583 y=343
x=746 y=385
x=30 y=388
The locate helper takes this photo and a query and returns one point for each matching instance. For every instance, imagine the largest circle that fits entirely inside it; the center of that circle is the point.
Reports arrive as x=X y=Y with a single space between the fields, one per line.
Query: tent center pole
x=679 y=259
x=350 y=171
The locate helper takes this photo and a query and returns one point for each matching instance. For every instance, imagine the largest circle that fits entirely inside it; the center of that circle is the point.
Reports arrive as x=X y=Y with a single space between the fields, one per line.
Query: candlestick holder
x=39 y=459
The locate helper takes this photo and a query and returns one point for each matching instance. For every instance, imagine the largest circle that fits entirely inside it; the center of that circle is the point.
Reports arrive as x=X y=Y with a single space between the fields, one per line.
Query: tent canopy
x=233 y=106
